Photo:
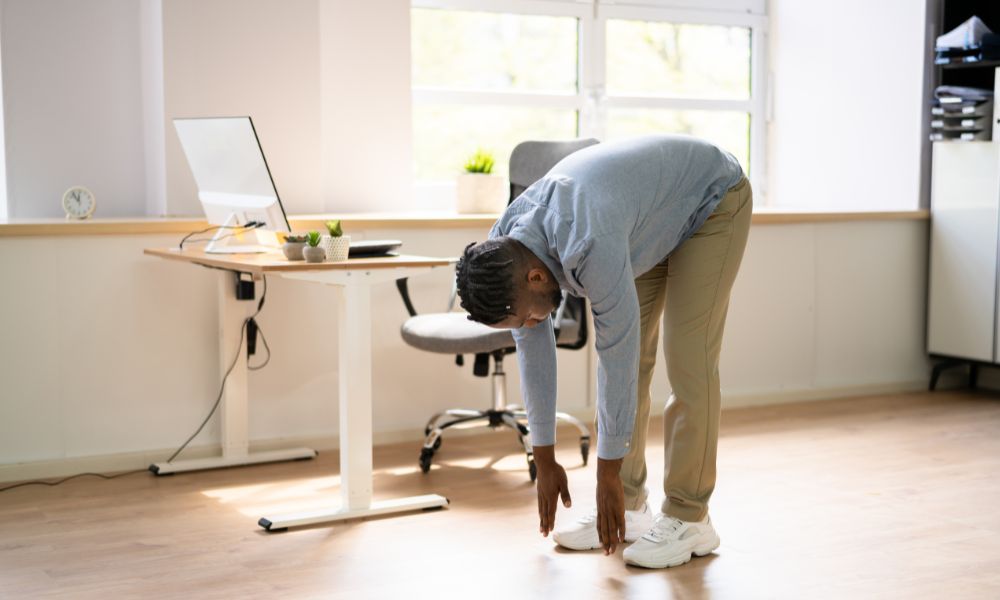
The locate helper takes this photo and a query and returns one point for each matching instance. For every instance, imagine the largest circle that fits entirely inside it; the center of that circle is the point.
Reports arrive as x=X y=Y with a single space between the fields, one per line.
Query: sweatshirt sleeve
x=606 y=274
x=536 y=357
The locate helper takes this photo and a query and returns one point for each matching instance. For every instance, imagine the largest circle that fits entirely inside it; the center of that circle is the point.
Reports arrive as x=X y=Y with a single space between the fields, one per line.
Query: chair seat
x=454 y=333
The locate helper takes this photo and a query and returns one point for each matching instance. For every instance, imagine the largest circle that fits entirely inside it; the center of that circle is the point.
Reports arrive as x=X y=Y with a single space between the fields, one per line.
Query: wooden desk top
x=272 y=262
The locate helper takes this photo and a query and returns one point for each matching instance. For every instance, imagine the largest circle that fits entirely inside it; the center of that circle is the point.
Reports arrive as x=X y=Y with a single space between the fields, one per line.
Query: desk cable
x=215 y=407
x=250 y=226
x=222 y=388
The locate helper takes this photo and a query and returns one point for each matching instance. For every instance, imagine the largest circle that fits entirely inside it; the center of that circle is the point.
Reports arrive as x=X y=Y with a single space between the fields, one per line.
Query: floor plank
x=876 y=497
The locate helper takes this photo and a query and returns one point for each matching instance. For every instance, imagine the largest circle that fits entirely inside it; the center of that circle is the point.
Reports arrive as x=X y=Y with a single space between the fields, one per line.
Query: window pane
x=495 y=52
x=729 y=130
x=445 y=136
x=679 y=60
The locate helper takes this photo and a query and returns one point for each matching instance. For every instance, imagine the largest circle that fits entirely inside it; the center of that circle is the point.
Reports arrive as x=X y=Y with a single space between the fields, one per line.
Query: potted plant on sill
x=314 y=253
x=337 y=244
x=478 y=189
x=293 y=246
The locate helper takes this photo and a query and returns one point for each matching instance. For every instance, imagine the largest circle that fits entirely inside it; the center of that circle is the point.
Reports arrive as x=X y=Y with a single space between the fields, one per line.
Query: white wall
x=257 y=58
x=365 y=79
x=92 y=88
x=327 y=82
x=72 y=103
x=153 y=124
x=106 y=351
x=847 y=82
x=109 y=351
x=3 y=157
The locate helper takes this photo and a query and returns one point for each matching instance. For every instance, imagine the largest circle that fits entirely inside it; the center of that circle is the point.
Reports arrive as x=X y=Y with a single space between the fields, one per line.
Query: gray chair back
x=529 y=162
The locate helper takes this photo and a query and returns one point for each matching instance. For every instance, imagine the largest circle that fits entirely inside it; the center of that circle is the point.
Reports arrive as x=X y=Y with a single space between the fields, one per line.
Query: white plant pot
x=480 y=193
x=314 y=254
x=336 y=248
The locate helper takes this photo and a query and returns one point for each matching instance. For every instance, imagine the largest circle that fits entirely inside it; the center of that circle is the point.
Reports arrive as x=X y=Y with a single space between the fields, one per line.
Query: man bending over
x=645 y=227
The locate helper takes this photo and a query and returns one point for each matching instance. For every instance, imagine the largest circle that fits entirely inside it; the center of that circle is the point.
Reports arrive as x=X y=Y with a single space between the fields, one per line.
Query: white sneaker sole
x=629 y=539
x=706 y=547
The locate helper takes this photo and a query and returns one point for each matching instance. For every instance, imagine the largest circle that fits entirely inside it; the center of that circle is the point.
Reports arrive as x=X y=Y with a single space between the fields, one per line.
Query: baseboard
x=127 y=461
x=745 y=400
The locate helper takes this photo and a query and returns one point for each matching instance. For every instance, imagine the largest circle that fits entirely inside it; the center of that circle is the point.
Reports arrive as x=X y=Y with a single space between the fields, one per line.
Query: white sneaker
x=582 y=535
x=671 y=542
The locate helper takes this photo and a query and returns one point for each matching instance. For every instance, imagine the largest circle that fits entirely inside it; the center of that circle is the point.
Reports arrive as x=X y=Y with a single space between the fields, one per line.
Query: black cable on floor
x=57 y=482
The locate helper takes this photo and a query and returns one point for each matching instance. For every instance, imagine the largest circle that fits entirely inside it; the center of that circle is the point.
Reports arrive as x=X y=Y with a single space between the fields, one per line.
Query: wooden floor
x=883 y=497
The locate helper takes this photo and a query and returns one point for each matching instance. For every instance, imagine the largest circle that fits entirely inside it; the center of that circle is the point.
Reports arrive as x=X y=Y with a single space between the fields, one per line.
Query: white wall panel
x=862 y=318
x=770 y=339
x=112 y=352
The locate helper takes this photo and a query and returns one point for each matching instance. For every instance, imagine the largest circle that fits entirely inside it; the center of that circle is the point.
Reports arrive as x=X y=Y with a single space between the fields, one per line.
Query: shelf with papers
x=969 y=65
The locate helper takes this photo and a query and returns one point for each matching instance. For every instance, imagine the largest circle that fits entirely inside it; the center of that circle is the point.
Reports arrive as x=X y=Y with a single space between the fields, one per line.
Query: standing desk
x=353 y=278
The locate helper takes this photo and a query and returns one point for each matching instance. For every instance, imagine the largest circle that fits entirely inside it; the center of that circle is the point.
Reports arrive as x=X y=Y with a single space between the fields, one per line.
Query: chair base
x=512 y=418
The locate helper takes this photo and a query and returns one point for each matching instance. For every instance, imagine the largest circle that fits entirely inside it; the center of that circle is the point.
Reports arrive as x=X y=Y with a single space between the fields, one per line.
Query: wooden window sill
x=362 y=221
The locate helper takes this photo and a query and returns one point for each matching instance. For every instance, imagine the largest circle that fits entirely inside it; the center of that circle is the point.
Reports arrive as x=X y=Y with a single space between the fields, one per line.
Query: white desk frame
x=234 y=413
x=354 y=324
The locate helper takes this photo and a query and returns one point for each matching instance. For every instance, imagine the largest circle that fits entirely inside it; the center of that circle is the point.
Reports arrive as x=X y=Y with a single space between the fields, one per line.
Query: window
x=487 y=74
x=487 y=79
x=652 y=67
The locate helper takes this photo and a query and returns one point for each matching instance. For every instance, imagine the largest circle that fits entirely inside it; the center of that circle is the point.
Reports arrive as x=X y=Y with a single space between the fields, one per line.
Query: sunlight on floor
x=276 y=498
x=318 y=493
x=479 y=462
x=274 y=491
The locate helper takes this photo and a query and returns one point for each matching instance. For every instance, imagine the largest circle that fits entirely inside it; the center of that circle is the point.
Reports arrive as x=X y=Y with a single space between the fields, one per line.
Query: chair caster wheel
x=437 y=442
x=426 y=455
x=585 y=450
x=532 y=470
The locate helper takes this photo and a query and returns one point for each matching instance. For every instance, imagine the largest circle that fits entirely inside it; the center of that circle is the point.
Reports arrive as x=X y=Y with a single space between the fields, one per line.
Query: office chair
x=453 y=333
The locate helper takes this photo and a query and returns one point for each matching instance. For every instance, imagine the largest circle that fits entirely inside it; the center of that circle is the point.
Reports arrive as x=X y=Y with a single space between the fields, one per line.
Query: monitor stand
x=252 y=241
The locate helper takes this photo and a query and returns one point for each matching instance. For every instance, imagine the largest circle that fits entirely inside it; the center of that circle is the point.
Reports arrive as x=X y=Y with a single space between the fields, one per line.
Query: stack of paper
x=961 y=114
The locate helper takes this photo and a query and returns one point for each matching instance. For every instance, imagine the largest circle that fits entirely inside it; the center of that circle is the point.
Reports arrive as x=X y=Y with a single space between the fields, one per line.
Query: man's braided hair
x=485 y=280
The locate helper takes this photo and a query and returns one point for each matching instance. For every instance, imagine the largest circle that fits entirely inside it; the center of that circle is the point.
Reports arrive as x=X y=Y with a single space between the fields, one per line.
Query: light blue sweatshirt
x=600 y=218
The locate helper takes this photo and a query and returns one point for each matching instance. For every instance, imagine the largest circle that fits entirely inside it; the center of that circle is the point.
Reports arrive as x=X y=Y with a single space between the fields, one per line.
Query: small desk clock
x=78 y=202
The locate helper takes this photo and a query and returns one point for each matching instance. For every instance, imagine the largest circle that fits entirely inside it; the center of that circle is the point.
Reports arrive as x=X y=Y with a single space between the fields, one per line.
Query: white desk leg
x=355 y=374
x=233 y=409
x=233 y=415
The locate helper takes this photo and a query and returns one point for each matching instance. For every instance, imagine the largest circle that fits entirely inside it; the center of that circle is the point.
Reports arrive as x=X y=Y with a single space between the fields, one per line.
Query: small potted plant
x=293 y=246
x=337 y=244
x=314 y=253
x=478 y=189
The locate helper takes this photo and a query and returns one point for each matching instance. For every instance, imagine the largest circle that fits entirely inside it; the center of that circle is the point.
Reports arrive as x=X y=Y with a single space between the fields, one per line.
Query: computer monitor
x=234 y=182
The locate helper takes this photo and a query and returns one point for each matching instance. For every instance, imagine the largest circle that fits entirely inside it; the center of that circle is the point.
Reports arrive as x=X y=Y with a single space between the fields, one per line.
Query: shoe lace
x=662 y=527
x=589 y=518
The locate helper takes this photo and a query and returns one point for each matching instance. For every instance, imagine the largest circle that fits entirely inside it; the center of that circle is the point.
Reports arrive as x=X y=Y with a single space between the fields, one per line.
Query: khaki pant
x=691 y=290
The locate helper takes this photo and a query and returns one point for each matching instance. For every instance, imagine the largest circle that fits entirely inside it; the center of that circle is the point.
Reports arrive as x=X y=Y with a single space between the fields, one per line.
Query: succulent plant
x=480 y=162
x=297 y=238
x=334 y=228
x=314 y=238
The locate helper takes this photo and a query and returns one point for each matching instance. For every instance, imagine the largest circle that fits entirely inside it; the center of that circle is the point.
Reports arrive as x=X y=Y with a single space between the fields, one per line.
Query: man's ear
x=537 y=275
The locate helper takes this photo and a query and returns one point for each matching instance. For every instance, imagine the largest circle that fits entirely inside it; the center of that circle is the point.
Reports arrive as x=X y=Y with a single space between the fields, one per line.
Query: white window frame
x=591 y=99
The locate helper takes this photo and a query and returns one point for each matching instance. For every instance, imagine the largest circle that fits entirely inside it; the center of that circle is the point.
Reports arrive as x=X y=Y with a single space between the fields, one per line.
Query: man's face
x=531 y=307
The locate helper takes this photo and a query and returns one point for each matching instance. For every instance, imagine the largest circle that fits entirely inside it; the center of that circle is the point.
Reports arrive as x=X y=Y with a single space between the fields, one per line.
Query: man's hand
x=610 y=504
x=550 y=485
